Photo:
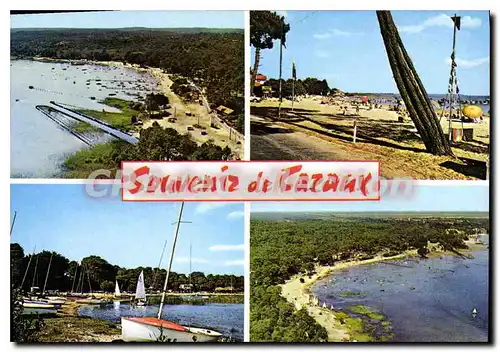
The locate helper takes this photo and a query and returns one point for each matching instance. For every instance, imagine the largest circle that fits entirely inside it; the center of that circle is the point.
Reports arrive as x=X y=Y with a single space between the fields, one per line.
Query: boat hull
x=38 y=305
x=152 y=329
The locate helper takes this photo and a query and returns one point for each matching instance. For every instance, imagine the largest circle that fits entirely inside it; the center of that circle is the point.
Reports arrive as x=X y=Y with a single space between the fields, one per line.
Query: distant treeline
x=215 y=58
x=310 y=86
x=99 y=275
x=280 y=249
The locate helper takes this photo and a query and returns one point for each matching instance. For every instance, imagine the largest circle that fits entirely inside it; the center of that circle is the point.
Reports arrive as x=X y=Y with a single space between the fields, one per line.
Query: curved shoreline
x=298 y=293
x=164 y=82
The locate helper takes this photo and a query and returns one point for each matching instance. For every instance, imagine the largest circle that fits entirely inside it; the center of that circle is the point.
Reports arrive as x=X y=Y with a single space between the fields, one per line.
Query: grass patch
x=83 y=127
x=85 y=161
x=121 y=120
x=78 y=329
x=367 y=311
x=360 y=309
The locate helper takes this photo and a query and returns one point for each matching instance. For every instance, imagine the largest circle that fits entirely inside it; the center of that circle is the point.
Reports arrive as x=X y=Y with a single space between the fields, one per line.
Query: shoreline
x=297 y=290
x=298 y=293
x=163 y=79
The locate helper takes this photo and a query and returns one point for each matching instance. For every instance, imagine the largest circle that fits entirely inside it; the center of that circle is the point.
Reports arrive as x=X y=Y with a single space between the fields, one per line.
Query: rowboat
x=154 y=329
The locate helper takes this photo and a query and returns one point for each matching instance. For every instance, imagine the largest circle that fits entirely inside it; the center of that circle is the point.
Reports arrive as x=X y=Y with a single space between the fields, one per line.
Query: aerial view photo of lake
x=399 y=270
x=39 y=145
x=92 y=89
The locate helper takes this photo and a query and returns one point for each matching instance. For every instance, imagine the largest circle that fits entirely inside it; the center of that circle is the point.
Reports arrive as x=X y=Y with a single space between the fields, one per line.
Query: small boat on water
x=141 y=329
x=140 y=292
x=117 y=290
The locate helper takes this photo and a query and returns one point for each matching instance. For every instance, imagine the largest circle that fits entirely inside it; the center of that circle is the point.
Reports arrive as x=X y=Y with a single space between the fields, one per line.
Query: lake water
x=38 y=144
x=427 y=300
x=225 y=318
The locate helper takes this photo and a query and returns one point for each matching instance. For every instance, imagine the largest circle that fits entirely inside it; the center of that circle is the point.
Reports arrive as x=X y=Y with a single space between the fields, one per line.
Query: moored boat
x=140 y=293
x=154 y=329
x=37 y=304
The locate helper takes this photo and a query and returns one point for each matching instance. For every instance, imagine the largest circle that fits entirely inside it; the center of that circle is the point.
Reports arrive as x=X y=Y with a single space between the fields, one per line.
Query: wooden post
x=281 y=61
x=355 y=129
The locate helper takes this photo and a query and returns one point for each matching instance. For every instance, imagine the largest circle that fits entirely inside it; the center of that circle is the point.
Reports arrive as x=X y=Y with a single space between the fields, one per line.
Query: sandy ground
x=318 y=131
x=299 y=295
x=201 y=116
x=218 y=135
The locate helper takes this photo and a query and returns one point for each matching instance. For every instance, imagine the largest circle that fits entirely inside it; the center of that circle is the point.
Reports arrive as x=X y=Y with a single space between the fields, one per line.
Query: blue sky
x=346 y=48
x=452 y=197
x=63 y=218
x=121 y=19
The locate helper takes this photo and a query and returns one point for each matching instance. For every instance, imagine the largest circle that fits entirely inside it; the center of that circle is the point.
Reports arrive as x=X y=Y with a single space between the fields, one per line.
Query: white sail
x=117 y=289
x=140 y=292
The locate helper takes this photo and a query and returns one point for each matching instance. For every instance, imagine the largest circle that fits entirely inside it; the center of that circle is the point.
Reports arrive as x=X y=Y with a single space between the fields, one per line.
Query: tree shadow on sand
x=263 y=128
x=469 y=167
x=300 y=115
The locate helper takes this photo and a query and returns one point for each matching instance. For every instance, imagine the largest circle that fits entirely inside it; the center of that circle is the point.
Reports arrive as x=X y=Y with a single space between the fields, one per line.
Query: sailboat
x=153 y=328
x=117 y=290
x=140 y=292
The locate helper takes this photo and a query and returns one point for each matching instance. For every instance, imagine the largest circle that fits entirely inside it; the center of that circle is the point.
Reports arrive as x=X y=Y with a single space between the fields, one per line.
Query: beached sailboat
x=153 y=329
x=140 y=291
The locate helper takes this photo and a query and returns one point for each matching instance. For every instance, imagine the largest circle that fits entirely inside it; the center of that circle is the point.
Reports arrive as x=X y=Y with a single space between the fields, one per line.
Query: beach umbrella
x=364 y=99
x=472 y=111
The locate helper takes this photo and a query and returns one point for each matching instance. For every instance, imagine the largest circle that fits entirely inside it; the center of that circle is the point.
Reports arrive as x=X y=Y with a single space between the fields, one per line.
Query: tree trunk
x=255 y=70
x=411 y=88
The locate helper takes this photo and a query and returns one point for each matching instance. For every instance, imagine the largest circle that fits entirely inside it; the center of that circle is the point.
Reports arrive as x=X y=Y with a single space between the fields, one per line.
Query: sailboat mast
x=74 y=278
x=34 y=274
x=190 y=270
x=90 y=286
x=80 y=282
x=171 y=260
x=26 y=272
x=47 y=275
x=13 y=222
x=159 y=264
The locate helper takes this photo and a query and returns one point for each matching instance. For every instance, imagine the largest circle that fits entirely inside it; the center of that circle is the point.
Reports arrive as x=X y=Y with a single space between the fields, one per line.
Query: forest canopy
x=214 y=57
x=282 y=248
x=64 y=274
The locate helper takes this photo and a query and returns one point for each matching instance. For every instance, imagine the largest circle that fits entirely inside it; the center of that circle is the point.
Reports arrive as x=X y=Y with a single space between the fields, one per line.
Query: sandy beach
x=325 y=132
x=298 y=293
